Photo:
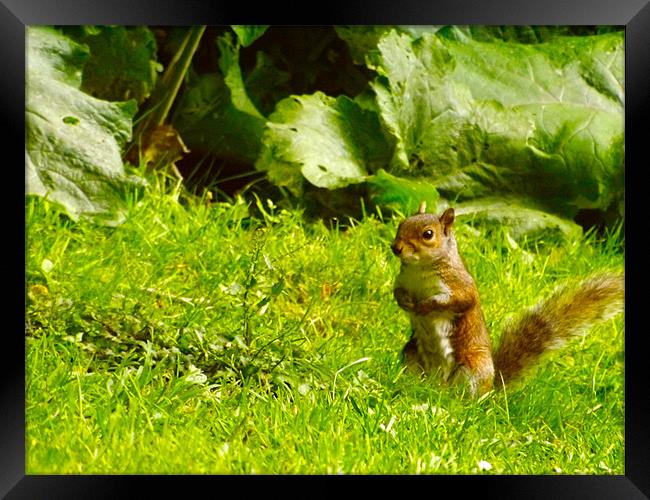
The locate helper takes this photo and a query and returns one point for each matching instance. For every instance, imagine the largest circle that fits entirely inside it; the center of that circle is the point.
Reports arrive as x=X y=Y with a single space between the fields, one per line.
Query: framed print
x=257 y=247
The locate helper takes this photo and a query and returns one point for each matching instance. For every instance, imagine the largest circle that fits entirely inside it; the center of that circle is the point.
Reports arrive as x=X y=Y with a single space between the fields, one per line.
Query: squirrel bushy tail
x=569 y=312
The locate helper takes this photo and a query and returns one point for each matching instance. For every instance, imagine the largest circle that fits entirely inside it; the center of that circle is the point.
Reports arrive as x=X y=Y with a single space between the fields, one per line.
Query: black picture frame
x=633 y=14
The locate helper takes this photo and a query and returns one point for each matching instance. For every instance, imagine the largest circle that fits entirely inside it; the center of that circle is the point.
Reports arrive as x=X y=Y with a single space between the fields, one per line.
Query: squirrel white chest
x=421 y=283
x=432 y=331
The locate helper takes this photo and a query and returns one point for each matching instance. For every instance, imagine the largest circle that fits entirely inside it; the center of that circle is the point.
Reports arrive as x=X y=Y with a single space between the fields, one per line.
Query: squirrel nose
x=397 y=248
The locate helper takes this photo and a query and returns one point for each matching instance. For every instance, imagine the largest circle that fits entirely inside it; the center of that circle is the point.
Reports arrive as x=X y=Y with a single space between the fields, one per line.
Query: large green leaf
x=73 y=140
x=122 y=63
x=412 y=89
x=362 y=40
x=523 y=218
x=401 y=193
x=248 y=34
x=521 y=33
x=215 y=114
x=266 y=84
x=229 y=65
x=544 y=121
x=332 y=143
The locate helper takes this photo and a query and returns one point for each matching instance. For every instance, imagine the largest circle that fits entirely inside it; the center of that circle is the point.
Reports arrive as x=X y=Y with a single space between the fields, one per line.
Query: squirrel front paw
x=404 y=299
x=421 y=308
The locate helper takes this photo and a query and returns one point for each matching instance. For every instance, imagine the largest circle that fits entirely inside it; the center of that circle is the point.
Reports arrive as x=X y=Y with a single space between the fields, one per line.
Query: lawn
x=239 y=338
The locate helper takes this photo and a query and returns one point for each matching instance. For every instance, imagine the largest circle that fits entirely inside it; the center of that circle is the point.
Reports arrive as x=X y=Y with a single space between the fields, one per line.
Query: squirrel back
x=449 y=334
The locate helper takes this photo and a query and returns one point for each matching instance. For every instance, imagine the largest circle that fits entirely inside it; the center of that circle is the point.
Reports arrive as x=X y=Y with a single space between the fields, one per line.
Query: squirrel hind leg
x=479 y=379
x=411 y=356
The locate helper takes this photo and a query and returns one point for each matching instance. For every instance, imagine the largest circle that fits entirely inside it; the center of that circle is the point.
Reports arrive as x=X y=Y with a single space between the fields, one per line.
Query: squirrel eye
x=428 y=234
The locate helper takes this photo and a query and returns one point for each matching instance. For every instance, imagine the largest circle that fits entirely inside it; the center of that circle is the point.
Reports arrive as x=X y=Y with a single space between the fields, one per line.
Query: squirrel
x=449 y=334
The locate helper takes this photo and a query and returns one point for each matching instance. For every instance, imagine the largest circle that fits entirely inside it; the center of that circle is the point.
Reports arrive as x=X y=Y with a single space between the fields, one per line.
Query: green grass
x=197 y=339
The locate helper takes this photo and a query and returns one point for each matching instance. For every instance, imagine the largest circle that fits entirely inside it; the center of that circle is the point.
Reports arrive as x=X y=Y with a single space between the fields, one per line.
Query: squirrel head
x=422 y=237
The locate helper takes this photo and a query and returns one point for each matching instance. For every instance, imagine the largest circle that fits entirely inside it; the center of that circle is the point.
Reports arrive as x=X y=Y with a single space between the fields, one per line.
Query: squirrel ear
x=423 y=207
x=447 y=219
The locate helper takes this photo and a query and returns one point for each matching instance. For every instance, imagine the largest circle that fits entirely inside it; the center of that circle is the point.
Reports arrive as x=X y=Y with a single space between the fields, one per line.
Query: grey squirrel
x=449 y=335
